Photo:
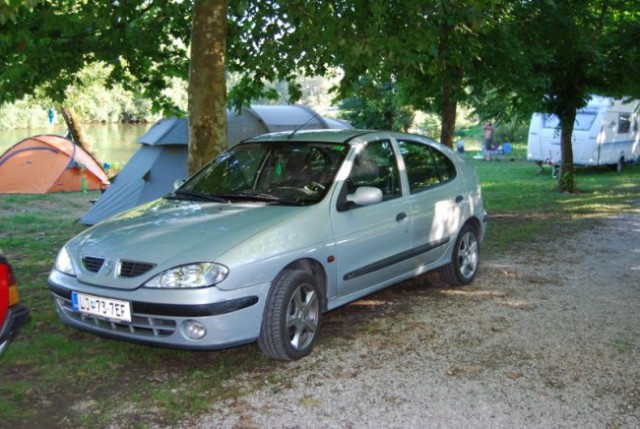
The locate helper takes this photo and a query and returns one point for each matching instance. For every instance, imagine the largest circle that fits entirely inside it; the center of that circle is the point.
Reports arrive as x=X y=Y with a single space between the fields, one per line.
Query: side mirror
x=365 y=195
x=178 y=183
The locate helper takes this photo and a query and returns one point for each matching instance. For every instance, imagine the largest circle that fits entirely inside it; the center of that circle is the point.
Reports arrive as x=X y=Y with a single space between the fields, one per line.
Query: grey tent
x=162 y=157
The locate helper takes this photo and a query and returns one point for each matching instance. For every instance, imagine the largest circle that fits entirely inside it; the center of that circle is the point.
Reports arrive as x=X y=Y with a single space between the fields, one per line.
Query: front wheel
x=292 y=316
x=465 y=259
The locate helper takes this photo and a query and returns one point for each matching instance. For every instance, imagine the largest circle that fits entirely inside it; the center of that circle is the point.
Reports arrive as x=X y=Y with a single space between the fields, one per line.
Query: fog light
x=194 y=330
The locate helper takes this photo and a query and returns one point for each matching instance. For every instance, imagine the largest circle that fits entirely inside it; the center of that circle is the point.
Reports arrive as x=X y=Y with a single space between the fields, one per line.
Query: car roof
x=328 y=136
x=334 y=136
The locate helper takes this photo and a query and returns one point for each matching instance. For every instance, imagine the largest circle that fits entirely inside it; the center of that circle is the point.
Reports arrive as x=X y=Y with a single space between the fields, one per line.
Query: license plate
x=112 y=309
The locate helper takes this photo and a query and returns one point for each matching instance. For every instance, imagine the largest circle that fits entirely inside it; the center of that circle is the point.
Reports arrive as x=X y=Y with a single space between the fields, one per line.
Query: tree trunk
x=566 y=178
x=75 y=128
x=207 y=87
x=451 y=82
x=449 y=107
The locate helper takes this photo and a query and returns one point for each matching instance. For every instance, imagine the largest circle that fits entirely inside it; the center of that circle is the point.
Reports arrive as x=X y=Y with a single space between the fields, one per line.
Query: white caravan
x=605 y=133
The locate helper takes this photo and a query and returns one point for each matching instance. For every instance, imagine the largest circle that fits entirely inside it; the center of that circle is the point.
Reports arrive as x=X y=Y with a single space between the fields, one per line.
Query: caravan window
x=583 y=122
x=551 y=121
x=624 y=123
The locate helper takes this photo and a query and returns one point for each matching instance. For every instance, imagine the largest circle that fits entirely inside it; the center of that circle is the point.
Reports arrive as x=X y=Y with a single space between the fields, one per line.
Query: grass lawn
x=50 y=368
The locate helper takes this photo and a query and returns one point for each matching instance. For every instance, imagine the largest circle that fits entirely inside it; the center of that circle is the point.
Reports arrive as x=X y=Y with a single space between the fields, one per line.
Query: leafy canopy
x=48 y=46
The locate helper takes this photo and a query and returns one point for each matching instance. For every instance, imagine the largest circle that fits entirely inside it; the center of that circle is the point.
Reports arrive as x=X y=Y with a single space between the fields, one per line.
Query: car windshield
x=277 y=172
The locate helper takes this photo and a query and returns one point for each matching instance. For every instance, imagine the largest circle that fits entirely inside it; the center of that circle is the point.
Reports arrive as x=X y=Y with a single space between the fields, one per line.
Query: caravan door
x=534 y=144
x=617 y=132
x=585 y=135
x=550 y=139
x=543 y=144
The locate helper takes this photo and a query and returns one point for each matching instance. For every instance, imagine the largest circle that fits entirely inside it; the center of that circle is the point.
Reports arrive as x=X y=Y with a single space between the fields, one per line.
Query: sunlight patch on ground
x=473 y=293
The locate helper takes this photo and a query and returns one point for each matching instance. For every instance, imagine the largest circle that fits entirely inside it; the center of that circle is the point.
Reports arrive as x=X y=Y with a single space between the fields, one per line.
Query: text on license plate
x=104 y=307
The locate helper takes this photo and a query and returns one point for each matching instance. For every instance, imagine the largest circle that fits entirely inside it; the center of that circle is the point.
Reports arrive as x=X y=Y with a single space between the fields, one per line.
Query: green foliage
x=376 y=106
x=46 y=48
x=511 y=131
x=9 y=8
x=597 y=55
x=429 y=124
x=22 y=114
x=466 y=124
x=434 y=51
x=93 y=103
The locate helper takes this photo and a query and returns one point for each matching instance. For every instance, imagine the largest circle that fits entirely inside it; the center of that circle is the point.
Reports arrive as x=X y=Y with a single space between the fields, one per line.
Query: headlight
x=202 y=274
x=63 y=262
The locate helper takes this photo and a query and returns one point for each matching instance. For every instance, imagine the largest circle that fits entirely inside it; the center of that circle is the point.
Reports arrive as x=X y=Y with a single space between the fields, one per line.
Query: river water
x=111 y=143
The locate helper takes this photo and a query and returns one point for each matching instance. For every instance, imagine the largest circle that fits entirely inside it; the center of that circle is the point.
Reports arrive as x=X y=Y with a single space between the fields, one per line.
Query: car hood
x=167 y=233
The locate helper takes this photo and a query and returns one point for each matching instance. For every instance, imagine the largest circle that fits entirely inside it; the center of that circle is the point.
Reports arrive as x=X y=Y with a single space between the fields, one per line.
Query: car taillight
x=8 y=286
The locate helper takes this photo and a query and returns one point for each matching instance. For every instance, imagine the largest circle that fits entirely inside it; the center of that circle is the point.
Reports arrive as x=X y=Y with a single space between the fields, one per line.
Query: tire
x=292 y=316
x=465 y=259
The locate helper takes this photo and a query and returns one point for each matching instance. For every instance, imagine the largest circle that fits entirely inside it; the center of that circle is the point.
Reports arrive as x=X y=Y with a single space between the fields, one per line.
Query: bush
x=512 y=131
x=23 y=114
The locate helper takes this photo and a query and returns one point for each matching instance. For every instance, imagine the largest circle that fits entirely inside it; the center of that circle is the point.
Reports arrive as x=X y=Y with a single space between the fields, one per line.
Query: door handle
x=401 y=216
x=459 y=199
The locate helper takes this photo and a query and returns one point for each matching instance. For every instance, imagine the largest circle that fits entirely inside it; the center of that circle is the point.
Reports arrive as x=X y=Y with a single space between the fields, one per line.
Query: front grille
x=92 y=264
x=127 y=268
x=140 y=325
x=134 y=269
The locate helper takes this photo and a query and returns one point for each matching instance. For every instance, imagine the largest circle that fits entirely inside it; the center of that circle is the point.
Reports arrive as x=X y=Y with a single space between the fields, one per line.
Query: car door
x=371 y=241
x=436 y=202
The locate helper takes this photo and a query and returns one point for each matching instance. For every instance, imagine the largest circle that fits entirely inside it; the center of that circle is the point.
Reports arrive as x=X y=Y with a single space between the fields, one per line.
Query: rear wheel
x=465 y=259
x=292 y=317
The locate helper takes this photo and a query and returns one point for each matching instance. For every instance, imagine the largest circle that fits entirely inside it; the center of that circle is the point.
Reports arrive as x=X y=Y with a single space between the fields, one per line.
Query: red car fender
x=6 y=279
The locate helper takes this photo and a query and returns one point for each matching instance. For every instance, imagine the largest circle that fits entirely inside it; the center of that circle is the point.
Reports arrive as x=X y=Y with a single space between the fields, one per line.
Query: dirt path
x=548 y=337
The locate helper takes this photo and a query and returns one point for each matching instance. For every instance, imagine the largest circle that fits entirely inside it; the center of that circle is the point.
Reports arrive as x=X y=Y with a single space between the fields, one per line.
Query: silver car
x=269 y=236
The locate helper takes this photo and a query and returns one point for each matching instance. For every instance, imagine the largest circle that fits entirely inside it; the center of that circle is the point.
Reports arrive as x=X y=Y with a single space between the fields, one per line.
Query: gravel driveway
x=545 y=337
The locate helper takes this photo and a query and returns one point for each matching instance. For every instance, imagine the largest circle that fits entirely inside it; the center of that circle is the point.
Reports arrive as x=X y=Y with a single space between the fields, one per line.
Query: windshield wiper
x=259 y=196
x=252 y=196
x=184 y=194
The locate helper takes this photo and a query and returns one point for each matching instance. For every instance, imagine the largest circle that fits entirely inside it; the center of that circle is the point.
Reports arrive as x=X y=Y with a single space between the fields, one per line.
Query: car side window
x=445 y=167
x=426 y=166
x=376 y=165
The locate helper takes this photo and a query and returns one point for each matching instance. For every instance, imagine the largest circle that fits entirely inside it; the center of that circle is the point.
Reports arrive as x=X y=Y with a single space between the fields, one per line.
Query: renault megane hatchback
x=269 y=236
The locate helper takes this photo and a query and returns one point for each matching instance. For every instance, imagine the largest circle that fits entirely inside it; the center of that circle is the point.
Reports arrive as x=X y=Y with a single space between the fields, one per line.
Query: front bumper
x=17 y=316
x=229 y=318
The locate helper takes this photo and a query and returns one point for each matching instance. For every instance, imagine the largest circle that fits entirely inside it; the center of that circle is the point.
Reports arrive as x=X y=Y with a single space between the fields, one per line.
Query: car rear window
x=426 y=166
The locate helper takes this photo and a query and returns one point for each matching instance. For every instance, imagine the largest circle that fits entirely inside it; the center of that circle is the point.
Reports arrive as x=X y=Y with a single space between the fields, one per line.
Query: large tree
x=451 y=45
x=377 y=106
x=207 y=87
x=144 y=43
x=576 y=48
x=46 y=44
x=432 y=50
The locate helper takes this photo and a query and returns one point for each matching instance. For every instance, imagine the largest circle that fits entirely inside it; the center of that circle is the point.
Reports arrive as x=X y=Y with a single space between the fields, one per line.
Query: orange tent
x=49 y=163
